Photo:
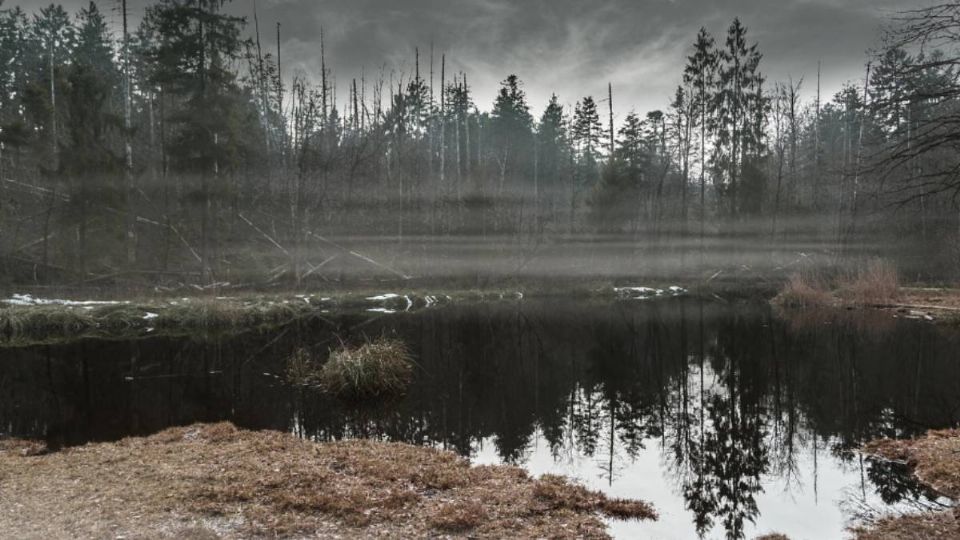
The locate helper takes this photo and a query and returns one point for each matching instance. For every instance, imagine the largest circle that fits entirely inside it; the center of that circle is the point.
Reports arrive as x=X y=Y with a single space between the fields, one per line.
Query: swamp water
x=731 y=420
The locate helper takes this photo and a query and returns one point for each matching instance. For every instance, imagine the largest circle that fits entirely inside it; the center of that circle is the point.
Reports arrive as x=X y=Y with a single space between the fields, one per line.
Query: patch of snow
x=643 y=293
x=149 y=316
x=28 y=300
x=381 y=310
x=637 y=292
x=383 y=297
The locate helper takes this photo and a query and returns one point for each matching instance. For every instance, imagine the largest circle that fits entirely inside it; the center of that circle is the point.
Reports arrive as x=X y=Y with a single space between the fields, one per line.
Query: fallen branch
x=359 y=256
x=265 y=235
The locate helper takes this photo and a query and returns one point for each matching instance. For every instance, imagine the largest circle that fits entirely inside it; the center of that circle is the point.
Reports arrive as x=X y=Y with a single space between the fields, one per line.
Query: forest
x=181 y=150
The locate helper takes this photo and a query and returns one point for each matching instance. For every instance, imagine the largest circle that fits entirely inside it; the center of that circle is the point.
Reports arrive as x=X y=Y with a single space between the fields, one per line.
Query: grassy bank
x=934 y=461
x=215 y=481
x=26 y=320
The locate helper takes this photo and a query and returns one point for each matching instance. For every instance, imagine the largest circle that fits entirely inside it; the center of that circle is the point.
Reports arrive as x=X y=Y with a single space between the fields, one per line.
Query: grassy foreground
x=216 y=481
x=935 y=461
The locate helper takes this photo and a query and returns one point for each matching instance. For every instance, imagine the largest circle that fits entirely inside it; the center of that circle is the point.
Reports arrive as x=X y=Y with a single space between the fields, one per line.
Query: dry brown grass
x=558 y=493
x=935 y=461
x=805 y=289
x=927 y=526
x=934 y=458
x=772 y=536
x=877 y=283
x=23 y=447
x=381 y=368
x=458 y=516
x=215 y=479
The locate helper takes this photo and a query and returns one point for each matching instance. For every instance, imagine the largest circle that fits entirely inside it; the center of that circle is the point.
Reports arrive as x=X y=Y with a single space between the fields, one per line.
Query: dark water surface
x=731 y=420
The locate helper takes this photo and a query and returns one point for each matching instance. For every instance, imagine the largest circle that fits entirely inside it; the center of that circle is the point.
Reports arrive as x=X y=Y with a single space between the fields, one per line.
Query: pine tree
x=587 y=134
x=512 y=130
x=193 y=46
x=738 y=103
x=699 y=75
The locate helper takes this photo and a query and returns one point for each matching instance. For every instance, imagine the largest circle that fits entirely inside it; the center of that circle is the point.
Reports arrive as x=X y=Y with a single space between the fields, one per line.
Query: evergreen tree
x=737 y=103
x=551 y=143
x=193 y=47
x=699 y=75
x=512 y=131
x=587 y=132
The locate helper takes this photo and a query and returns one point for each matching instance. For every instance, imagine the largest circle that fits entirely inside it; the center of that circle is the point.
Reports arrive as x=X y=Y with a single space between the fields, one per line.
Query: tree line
x=177 y=147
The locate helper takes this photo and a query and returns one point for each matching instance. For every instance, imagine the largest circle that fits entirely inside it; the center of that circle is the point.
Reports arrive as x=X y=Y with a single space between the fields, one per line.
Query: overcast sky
x=571 y=47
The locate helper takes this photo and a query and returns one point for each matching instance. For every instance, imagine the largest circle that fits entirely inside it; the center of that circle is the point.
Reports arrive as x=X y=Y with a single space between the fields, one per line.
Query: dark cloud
x=570 y=47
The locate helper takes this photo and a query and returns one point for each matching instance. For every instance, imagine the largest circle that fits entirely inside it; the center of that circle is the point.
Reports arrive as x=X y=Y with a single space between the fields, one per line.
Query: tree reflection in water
x=729 y=394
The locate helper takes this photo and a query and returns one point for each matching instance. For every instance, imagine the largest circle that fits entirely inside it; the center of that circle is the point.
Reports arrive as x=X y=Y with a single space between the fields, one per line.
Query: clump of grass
x=875 y=284
x=381 y=368
x=804 y=289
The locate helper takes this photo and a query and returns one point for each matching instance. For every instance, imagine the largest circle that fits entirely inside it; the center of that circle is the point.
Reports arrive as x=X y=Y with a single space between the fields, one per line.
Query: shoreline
x=933 y=461
x=28 y=320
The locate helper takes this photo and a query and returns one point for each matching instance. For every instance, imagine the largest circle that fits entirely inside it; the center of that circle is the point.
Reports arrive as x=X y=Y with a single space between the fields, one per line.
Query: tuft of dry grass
x=239 y=484
x=381 y=368
x=877 y=283
x=772 y=536
x=804 y=289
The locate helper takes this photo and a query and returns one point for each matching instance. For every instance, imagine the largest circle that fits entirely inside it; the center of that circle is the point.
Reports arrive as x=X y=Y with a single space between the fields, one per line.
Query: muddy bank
x=215 y=481
x=935 y=461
